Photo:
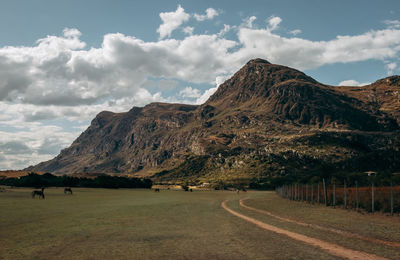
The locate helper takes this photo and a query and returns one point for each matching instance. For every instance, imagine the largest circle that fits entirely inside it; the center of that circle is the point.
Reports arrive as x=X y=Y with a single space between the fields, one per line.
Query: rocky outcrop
x=265 y=121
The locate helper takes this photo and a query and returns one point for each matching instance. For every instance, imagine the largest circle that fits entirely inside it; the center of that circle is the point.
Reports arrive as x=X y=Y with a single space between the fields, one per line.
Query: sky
x=63 y=62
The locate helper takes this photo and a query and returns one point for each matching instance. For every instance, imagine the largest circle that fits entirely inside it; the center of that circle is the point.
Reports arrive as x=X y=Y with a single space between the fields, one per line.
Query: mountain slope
x=266 y=121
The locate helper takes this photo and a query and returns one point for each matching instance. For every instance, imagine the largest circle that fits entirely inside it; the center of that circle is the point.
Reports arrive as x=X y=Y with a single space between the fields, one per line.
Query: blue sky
x=62 y=62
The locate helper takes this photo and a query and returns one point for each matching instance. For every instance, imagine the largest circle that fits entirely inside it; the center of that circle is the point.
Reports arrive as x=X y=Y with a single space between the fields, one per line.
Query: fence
x=369 y=198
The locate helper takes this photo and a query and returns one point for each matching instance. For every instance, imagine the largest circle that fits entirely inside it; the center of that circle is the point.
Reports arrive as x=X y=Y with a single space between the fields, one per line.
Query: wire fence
x=369 y=198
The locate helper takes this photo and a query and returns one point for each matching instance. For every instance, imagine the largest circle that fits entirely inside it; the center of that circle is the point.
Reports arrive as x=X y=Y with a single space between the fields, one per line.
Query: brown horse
x=39 y=193
x=67 y=190
x=156 y=190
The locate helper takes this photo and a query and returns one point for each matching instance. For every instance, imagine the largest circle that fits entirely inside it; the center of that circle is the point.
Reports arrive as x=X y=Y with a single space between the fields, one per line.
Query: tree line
x=50 y=180
x=362 y=178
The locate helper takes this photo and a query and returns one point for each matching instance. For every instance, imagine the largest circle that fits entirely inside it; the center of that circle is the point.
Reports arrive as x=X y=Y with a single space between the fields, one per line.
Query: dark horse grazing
x=67 y=190
x=156 y=190
x=39 y=193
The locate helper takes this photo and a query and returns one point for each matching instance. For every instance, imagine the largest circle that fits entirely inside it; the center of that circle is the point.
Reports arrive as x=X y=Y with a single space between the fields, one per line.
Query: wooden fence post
x=345 y=194
x=292 y=191
x=287 y=192
x=312 y=193
x=306 y=193
x=318 y=194
x=391 y=198
x=334 y=194
x=325 y=192
x=357 y=196
x=301 y=192
x=372 y=198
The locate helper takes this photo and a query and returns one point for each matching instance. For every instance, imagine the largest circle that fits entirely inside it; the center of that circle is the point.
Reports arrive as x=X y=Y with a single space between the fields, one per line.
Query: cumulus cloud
x=204 y=97
x=392 y=23
x=209 y=92
x=295 y=32
x=14 y=77
x=249 y=21
x=60 y=79
x=352 y=82
x=171 y=21
x=273 y=22
x=307 y=54
x=189 y=92
x=226 y=29
x=39 y=115
x=28 y=146
x=58 y=71
x=71 y=32
x=188 y=30
x=14 y=147
x=210 y=14
x=390 y=67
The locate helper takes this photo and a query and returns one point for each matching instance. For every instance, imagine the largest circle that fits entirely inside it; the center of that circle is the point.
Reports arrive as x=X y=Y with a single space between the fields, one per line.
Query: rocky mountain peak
x=389 y=81
x=257 y=60
x=255 y=80
x=266 y=120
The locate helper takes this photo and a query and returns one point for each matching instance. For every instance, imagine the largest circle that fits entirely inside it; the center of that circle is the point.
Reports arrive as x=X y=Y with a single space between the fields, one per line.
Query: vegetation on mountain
x=265 y=125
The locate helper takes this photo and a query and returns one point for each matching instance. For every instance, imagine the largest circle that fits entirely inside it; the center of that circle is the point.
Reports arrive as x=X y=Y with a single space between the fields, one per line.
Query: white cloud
x=249 y=21
x=71 y=33
x=390 y=67
x=273 y=22
x=59 y=79
x=204 y=97
x=392 y=23
x=209 y=92
x=221 y=79
x=226 y=29
x=189 y=92
x=171 y=21
x=57 y=71
x=352 y=82
x=210 y=14
x=295 y=32
x=32 y=145
x=144 y=97
x=307 y=54
x=188 y=30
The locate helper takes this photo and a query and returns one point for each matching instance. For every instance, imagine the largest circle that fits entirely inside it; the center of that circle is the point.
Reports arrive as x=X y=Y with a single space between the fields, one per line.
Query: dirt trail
x=340 y=232
x=331 y=248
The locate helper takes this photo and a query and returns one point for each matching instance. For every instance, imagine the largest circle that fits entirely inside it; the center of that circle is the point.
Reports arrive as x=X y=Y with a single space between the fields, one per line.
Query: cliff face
x=264 y=122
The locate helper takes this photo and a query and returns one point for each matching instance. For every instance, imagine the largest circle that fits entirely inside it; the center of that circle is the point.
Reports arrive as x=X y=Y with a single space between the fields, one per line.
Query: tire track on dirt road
x=331 y=248
x=340 y=232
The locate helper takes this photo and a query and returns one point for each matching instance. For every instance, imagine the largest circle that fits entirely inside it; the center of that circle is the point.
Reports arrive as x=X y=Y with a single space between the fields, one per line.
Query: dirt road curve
x=329 y=247
x=340 y=232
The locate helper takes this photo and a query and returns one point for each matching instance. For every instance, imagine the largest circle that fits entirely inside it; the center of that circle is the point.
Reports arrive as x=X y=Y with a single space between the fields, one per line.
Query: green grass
x=142 y=224
x=134 y=224
x=378 y=226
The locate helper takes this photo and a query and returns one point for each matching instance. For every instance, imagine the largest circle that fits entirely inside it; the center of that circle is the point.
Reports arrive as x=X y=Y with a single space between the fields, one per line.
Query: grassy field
x=142 y=224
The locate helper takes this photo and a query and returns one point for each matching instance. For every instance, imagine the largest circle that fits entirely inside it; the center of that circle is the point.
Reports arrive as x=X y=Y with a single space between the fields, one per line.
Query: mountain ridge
x=263 y=114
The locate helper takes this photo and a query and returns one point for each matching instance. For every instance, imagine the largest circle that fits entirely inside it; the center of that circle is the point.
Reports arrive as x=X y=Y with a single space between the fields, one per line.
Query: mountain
x=265 y=123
